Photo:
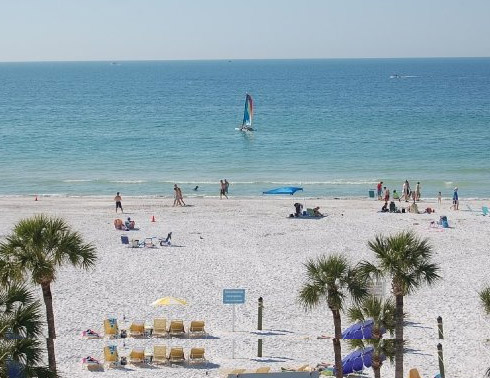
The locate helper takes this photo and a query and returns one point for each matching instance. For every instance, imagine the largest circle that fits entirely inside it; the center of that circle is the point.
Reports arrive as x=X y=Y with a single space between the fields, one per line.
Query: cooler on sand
x=371 y=193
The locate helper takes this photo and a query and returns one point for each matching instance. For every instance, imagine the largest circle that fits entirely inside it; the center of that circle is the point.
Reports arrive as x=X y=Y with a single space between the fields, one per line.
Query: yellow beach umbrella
x=169 y=301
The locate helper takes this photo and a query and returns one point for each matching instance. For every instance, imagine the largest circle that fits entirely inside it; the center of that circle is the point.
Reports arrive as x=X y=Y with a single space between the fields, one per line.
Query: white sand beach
x=250 y=243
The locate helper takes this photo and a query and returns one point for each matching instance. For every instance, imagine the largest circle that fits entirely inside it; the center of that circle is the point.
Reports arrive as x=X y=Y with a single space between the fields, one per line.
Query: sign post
x=233 y=297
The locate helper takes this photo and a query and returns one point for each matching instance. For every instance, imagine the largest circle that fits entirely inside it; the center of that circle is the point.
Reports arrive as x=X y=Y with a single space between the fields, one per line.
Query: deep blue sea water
x=333 y=126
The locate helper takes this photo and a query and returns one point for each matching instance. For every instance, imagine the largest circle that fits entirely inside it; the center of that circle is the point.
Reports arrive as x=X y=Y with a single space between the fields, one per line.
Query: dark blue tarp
x=284 y=190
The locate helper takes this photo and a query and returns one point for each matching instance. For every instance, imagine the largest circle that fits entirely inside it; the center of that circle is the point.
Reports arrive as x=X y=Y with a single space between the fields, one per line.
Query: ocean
x=334 y=127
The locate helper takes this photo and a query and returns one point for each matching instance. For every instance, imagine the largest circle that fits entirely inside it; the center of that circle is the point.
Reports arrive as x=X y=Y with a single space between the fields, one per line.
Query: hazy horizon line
x=236 y=59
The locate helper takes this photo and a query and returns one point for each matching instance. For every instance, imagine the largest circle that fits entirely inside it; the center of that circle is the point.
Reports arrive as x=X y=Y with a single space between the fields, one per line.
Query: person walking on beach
x=417 y=191
x=439 y=199
x=380 y=190
x=118 y=200
x=181 y=197
x=177 y=196
x=455 y=205
x=222 y=189
x=227 y=185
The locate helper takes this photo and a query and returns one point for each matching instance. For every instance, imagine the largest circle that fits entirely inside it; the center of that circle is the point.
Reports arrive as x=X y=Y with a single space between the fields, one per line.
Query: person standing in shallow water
x=118 y=200
x=222 y=190
x=227 y=185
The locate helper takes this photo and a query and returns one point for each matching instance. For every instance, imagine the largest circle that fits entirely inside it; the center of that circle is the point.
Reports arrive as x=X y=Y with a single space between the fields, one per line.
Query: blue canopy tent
x=284 y=190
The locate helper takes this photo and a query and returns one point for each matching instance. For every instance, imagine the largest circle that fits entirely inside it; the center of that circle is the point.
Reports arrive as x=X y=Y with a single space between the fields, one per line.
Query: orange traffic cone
x=35 y=199
x=153 y=219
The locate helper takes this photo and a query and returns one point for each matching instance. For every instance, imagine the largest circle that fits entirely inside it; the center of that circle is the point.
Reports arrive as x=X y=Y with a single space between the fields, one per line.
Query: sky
x=80 y=30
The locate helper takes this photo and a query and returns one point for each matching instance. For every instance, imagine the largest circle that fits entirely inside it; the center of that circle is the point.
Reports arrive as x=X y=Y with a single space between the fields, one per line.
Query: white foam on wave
x=128 y=181
x=78 y=180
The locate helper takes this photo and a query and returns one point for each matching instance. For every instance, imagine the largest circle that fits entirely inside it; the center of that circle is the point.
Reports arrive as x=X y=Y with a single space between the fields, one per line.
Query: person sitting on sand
x=299 y=209
x=316 y=212
x=396 y=196
x=385 y=209
x=129 y=224
x=413 y=208
x=118 y=224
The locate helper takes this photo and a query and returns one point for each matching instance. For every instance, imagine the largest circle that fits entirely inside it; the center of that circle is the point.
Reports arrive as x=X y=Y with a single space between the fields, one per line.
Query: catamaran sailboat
x=247 y=115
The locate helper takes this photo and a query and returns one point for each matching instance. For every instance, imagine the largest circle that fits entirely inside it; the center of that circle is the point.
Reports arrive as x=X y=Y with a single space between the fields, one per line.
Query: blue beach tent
x=284 y=190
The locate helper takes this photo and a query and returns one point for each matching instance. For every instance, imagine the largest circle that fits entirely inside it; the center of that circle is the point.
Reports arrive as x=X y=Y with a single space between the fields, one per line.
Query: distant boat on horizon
x=247 y=115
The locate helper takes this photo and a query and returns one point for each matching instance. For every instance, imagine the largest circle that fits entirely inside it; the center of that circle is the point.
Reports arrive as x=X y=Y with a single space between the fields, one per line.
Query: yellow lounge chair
x=197 y=328
x=238 y=371
x=197 y=355
x=111 y=357
x=263 y=370
x=176 y=355
x=413 y=373
x=137 y=328
x=111 y=329
x=160 y=354
x=160 y=327
x=137 y=356
x=176 y=328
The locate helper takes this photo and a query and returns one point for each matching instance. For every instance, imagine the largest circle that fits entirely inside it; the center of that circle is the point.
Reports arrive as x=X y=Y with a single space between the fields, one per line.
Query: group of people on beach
x=407 y=193
x=178 y=196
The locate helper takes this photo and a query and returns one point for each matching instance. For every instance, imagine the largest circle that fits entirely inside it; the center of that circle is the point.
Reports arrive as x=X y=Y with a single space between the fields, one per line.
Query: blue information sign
x=233 y=296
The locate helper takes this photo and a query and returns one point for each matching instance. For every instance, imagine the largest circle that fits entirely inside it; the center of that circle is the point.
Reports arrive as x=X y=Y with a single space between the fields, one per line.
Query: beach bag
x=124 y=334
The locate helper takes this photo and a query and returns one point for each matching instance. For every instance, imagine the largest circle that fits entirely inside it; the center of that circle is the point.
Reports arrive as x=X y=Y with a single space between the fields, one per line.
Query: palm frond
x=485 y=299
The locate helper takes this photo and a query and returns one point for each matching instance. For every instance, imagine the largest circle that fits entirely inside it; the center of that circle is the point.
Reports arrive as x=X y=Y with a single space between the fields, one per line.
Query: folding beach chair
x=197 y=328
x=176 y=355
x=176 y=328
x=137 y=356
x=196 y=356
x=137 y=328
x=263 y=370
x=160 y=354
x=111 y=357
x=160 y=327
x=111 y=329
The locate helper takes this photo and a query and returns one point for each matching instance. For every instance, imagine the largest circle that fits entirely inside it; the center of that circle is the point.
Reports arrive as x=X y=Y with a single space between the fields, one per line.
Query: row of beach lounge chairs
x=158 y=329
x=139 y=356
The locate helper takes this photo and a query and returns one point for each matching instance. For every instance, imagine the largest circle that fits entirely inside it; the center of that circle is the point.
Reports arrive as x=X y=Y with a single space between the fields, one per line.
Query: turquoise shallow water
x=333 y=126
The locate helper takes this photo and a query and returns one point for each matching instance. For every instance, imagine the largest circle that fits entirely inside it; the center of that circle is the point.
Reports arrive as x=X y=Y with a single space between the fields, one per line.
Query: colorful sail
x=249 y=111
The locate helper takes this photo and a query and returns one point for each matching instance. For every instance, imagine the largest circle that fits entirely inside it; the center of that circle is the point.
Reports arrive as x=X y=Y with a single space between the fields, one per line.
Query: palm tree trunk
x=377 y=368
x=399 y=337
x=48 y=301
x=337 y=348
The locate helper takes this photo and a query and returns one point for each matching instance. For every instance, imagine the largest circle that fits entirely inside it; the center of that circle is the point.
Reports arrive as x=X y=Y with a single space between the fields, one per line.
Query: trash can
x=371 y=193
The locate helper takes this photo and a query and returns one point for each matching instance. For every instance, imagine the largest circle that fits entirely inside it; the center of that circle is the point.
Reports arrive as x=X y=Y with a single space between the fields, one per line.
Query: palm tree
x=406 y=260
x=331 y=278
x=37 y=247
x=485 y=299
x=20 y=328
x=382 y=349
x=382 y=312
